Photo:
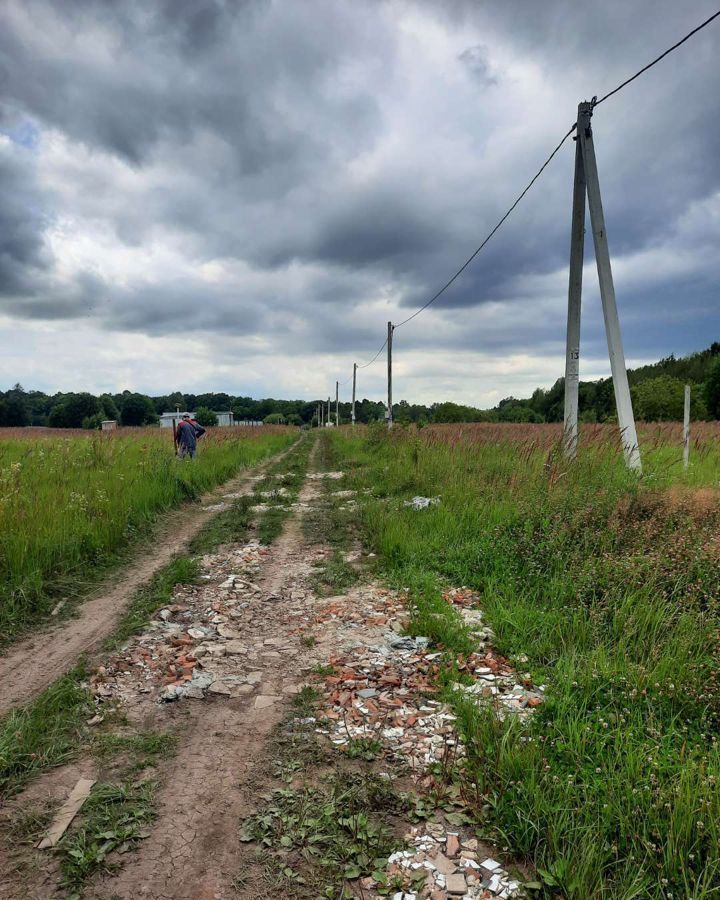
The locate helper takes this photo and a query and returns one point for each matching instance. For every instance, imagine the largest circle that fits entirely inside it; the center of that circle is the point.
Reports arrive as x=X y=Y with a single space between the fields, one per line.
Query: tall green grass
x=610 y=586
x=68 y=505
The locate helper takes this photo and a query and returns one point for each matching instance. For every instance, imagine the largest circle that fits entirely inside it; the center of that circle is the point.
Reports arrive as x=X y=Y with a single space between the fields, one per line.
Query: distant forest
x=657 y=392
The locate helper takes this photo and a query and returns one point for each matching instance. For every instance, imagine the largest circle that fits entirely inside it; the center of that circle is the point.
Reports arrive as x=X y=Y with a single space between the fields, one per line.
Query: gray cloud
x=300 y=173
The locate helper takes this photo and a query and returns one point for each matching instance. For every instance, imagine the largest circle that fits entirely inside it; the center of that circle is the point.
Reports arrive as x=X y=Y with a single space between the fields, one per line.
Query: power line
x=365 y=365
x=535 y=178
x=548 y=160
x=495 y=229
x=657 y=59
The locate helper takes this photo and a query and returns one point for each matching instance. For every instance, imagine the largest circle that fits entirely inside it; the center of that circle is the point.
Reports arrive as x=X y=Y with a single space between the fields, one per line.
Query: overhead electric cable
x=494 y=230
x=365 y=365
x=657 y=59
x=535 y=178
x=548 y=160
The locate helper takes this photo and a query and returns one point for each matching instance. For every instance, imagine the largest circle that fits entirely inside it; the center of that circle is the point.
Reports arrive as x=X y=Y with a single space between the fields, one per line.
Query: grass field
x=70 y=502
x=605 y=588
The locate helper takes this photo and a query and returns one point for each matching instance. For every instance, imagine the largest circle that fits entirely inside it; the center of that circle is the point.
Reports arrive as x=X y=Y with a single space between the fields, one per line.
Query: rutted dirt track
x=194 y=847
x=32 y=664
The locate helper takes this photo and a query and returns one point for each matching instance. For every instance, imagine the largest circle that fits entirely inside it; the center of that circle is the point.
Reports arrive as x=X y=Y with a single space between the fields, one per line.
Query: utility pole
x=623 y=402
x=686 y=428
x=572 y=344
x=352 y=408
x=389 y=367
x=322 y=410
x=337 y=404
x=327 y=418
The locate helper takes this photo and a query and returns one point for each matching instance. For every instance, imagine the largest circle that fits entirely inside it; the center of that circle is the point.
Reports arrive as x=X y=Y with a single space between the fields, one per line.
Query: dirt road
x=195 y=846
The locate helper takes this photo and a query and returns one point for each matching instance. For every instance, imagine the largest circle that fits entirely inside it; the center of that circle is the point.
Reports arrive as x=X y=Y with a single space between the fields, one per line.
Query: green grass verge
x=50 y=730
x=610 y=586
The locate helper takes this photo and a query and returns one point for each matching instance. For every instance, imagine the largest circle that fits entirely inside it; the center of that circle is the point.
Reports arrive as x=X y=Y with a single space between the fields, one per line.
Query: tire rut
x=194 y=850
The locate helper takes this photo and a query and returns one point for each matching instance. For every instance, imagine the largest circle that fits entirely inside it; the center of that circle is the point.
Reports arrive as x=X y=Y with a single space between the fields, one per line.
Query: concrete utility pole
x=686 y=428
x=352 y=408
x=321 y=414
x=327 y=419
x=572 y=345
x=623 y=402
x=337 y=404
x=389 y=362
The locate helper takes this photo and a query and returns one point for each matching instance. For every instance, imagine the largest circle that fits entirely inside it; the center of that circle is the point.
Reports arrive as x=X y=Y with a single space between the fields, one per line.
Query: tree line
x=657 y=392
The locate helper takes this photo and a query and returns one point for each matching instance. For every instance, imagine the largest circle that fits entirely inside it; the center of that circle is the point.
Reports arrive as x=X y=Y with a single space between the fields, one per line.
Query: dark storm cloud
x=325 y=162
x=22 y=247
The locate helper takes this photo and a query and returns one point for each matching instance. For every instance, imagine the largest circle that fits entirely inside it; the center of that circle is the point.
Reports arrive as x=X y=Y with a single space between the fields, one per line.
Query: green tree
x=93 y=422
x=137 y=409
x=455 y=412
x=659 y=399
x=14 y=410
x=72 y=409
x=662 y=399
x=205 y=417
x=108 y=407
x=274 y=419
x=712 y=390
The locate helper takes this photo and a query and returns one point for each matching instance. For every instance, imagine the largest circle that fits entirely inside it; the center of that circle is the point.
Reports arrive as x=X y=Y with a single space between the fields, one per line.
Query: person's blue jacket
x=188 y=433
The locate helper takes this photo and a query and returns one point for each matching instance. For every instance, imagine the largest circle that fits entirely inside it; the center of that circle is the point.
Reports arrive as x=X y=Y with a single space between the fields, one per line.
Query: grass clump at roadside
x=72 y=505
x=45 y=733
x=610 y=587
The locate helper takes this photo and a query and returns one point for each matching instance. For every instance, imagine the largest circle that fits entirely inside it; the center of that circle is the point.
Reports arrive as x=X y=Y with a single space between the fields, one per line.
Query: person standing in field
x=187 y=433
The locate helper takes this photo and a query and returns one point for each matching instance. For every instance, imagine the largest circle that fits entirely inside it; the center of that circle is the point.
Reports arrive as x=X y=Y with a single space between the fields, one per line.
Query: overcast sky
x=237 y=196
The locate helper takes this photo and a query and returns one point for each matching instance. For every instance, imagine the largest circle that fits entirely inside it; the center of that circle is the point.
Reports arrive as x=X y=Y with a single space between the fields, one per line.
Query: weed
x=336 y=832
x=362 y=748
x=114 y=818
x=304 y=702
x=334 y=575
x=323 y=669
